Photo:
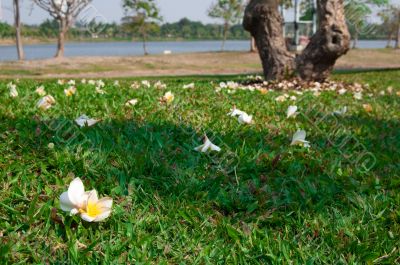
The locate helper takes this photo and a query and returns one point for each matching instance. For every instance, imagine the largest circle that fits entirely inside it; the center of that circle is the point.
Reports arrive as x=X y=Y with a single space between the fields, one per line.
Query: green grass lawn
x=258 y=201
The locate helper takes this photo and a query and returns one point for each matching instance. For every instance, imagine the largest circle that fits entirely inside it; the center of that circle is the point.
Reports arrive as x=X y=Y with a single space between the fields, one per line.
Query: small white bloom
x=131 y=102
x=135 y=85
x=235 y=112
x=293 y=98
x=281 y=98
x=382 y=93
x=100 y=83
x=69 y=92
x=341 y=111
x=40 y=91
x=390 y=89
x=13 y=90
x=100 y=91
x=191 y=86
x=291 y=111
x=244 y=118
x=223 y=85
x=146 y=83
x=60 y=82
x=160 y=85
x=357 y=95
x=84 y=120
x=83 y=81
x=92 y=82
x=71 y=82
x=77 y=201
x=207 y=146
x=317 y=94
x=342 y=91
x=299 y=138
x=168 y=97
x=46 y=102
x=50 y=146
x=116 y=83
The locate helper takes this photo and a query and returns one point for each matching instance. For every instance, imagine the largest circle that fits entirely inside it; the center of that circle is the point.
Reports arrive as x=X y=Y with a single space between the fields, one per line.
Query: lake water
x=41 y=51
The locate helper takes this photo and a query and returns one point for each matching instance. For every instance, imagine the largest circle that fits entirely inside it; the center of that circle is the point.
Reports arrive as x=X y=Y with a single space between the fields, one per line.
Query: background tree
x=230 y=11
x=65 y=12
x=143 y=16
x=17 y=23
x=332 y=40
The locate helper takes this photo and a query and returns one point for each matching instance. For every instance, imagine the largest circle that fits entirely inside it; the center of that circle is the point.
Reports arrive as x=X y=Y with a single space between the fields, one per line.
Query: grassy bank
x=258 y=201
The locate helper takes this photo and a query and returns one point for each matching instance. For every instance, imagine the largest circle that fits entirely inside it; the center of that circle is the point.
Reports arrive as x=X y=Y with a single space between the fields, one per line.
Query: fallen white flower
x=291 y=111
x=100 y=83
x=244 y=118
x=299 y=138
x=160 y=85
x=40 y=91
x=77 y=201
x=131 y=102
x=100 y=91
x=84 y=120
x=71 y=82
x=281 y=98
x=70 y=91
x=357 y=95
x=207 y=146
x=341 y=111
x=116 y=83
x=46 y=102
x=342 y=91
x=168 y=97
x=146 y=83
x=191 y=86
x=13 y=90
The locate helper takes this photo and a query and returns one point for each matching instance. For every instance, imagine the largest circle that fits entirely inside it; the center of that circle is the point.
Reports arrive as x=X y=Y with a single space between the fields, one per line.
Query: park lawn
x=258 y=201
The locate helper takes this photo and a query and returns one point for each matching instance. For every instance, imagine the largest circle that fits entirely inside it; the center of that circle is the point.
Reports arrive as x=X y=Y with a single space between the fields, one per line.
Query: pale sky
x=111 y=10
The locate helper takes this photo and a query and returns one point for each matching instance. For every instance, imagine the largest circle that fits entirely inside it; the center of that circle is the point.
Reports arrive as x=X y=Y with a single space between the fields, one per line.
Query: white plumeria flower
x=131 y=102
x=100 y=91
x=92 y=82
x=342 y=91
x=235 y=112
x=40 y=91
x=100 y=83
x=69 y=92
x=357 y=95
x=207 y=146
x=317 y=94
x=293 y=98
x=390 y=89
x=244 y=118
x=146 y=83
x=341 y=111
x=60 y=82
x=77 y=201
x=13 y=90
x=46 y=102
x=191 y=86
x=84 y=120
x=83 y=81
x=160 y=85
x=71 y=82
x=291 y=111
x=223 y=85
x=116 y=83
x=281 y=98
x=168 y=97
x=299 y=138
x=382 y=93
x=135 y=85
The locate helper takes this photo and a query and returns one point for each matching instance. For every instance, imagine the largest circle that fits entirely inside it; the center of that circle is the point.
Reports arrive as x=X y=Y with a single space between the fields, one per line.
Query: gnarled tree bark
x=263 y=20
x=332 y=40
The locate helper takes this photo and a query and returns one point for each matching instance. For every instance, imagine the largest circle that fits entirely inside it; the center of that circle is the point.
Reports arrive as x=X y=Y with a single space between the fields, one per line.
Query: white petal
x=291 y=111
x=65 y=204
x=299 y=136
x=215 y=148
x=92 y=198
x=76 y=191
x=87 y=218
x=206 y=146
x=105 y=203
x=102 y=216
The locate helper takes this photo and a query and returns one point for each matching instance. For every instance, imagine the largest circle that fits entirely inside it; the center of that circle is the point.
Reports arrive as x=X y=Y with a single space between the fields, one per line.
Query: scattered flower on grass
x=146 y=83
x=40 y=91
x=191 y=86
x=168 y=97
x=291 y=111
x=84 y=120
x=77 y=201
x=60 y=82
x=299 y=138
x=207 y=146
x=83 y=81
x=367 y=107
x=100 y=84
x=244 y=118
x=357 y=95
x=116 y=83
x=342 y=91
x=71 y=82
x=341 y=111
x=13 y=90
x=69 y=92
x=50 y=145
x=390 y=89
x=398 y=93
x=100 y=91
x=135 y=85
x=46 y=102
x=92 y=82
x=235 y=112
x=160 y=85
x=281 y=98
x=131 y=102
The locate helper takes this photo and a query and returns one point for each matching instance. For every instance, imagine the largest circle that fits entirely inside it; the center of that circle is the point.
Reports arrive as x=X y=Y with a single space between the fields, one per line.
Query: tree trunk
x=331 y=41
x=225 y=33
x=61 y=39
x=397 y=46
x=18 y=39
x=389 y=42
x=263 y=20
x=253 y=47
x=144 y=44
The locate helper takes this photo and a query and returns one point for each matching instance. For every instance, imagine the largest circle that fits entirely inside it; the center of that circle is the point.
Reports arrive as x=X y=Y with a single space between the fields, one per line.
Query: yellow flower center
x=92 y=209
